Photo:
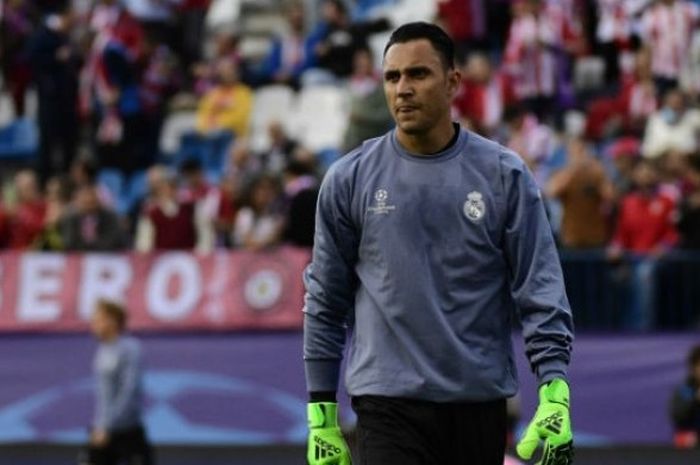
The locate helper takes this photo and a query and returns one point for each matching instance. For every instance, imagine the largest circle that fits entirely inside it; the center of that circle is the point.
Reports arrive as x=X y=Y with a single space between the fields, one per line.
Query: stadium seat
x=321 y=117
x=136 y=189
x=211 y=152
x=272 y=103
x=223 y=14
x=19 y=140
x=175 y=125
x=407 y=11
x=369 y=9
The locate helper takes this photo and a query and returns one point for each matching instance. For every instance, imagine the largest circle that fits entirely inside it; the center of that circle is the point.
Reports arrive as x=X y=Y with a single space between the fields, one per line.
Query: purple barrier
x=249 y=388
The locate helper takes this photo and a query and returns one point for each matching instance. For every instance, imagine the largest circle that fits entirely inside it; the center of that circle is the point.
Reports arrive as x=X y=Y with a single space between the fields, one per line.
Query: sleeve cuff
x=322 y=375
x=550 y=370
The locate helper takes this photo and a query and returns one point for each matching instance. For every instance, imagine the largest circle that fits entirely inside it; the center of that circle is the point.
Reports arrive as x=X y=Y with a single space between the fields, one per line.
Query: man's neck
x=427 y=144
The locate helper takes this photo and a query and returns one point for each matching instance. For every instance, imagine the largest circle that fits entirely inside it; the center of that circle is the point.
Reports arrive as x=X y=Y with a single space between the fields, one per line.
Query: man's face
x=417 y=86
x=102 y=326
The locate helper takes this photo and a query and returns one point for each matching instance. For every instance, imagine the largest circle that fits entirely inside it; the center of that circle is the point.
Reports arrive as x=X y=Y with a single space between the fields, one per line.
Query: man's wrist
x=322 y=415
x=322 y=396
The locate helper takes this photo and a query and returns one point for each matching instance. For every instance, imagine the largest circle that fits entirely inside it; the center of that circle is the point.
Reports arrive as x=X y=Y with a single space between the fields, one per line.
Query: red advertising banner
x=167 y=291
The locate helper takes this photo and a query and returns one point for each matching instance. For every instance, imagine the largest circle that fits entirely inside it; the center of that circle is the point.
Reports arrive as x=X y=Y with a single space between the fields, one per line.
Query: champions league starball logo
x=380 y=207
x=182 y=407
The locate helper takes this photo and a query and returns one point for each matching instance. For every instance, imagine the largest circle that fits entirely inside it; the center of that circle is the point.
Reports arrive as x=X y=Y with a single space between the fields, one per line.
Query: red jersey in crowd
x=645 y=222
x=483 y=103
x=464 y=19
x=667 y=29
x=173 y=230
x=26 y=224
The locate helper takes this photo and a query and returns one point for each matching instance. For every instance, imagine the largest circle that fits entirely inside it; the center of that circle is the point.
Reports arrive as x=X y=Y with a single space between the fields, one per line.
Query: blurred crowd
x=599 y=97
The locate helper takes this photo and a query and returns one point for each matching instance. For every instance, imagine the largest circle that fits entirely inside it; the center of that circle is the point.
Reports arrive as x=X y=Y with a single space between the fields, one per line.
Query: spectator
x=645 y=230
x=260 y=223
x=288 y=56
x=91 y=227
x=630 y=108
x=191 y=29
x=334 y=42
x=282 y=147
x=623 y=153
x=666 y=28
x=483 y=95
x=159 y=82
x=638 y=98
x=228 y=209
x=465 y=22
x=685 y=404
x=109 y=88
x=156 y=17
x=672 y=127
x=26 y=217
x=585 y=193
x=166 y=222
x=84 y=171
x=615 y=33
x=689 y=218
x=241 y=165
x=301 y=192
x=539 y=42
x=690 y=76
x=645 y=223
x=58 y=197
x=369 y=116
x=56 y=63
x=205 y=73
x=533 y=141
x=16 y=26
x=227 y=106
x=207 y=200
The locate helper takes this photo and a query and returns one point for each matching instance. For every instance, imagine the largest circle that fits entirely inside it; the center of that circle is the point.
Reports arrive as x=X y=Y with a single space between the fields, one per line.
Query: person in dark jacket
x=333 y=44
x=56 y=64
x=91 y=227
x=685 y=404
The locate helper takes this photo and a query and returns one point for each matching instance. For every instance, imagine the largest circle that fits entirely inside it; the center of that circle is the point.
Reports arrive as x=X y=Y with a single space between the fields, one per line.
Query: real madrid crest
x=474 y=207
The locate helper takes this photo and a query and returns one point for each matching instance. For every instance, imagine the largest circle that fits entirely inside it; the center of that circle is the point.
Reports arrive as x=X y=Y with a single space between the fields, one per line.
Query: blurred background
x=168 y=153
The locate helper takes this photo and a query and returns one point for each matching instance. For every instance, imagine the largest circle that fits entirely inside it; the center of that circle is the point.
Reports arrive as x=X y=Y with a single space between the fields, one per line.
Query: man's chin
x=411 y=128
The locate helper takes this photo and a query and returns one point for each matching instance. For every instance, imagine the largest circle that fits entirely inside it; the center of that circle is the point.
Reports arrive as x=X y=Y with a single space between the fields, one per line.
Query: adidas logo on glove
x=325 y=449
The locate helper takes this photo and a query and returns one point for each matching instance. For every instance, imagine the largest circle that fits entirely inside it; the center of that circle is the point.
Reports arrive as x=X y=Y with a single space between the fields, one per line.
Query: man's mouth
x=406 y=108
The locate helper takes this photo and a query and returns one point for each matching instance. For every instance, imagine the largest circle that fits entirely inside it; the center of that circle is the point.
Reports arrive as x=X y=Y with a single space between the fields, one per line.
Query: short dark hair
x=114 y=311
x=438 y=38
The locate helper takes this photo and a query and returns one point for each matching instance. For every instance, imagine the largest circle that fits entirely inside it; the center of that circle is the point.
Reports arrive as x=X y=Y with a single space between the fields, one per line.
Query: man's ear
x=454 y=77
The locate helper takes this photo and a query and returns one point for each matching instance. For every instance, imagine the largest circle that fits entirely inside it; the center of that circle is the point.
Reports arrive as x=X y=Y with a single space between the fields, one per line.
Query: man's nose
x=404 y=87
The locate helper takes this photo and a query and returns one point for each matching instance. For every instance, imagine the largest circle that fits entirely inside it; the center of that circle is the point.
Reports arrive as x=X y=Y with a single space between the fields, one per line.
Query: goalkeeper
x=429 y=241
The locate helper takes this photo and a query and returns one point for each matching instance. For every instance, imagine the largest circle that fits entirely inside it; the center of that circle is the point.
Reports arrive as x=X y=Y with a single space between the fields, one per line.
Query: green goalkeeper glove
x=326 y=444
x=552 y=424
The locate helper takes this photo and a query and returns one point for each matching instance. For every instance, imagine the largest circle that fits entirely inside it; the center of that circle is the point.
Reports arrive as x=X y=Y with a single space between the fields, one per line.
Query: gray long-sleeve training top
x=119 y=377
x=427 y=259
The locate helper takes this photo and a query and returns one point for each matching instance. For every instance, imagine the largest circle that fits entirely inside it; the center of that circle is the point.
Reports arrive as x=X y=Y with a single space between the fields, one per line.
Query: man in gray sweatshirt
x=429 y=241
x=117 y=432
